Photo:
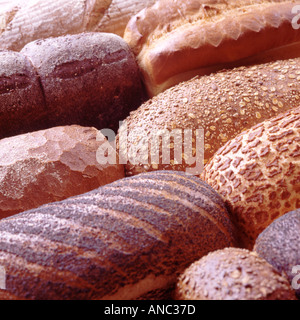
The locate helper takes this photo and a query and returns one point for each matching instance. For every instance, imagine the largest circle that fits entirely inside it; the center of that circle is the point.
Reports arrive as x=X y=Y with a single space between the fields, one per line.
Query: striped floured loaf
x=119 y=242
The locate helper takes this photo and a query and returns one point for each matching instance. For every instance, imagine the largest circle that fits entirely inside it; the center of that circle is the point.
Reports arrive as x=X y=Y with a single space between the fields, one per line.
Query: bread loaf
x=22 y=104
x=222 y=104
x=233 y=274
x=120 y=241
x=89 y=79
x=22 y=22
x=51 y=165
x=176 y=40
x=258 y=174
x=279 y=244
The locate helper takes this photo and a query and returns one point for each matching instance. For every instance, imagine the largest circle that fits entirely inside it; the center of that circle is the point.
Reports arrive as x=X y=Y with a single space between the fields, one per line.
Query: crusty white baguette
x=25 y=21
x=176 y=40
x=222 y=104
x=120 y=241
x=90 y=79
x=51 y=165
x=258 y=174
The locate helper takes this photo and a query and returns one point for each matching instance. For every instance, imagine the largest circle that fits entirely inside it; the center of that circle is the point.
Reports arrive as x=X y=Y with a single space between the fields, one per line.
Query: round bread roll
x=232 y=274
x=279 y=244
x=222 y=105
x=51 y=165
x=258 y=174
x=120 y=241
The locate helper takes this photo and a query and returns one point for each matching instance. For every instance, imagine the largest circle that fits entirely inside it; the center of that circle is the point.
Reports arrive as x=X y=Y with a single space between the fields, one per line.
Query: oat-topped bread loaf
x=51 y=165
x=24 y=21
x=120 y=241
x=258 y=174
x=89 y=79
x=175 y=40
x=222 y=104
x=233 y=274
x=279 y=244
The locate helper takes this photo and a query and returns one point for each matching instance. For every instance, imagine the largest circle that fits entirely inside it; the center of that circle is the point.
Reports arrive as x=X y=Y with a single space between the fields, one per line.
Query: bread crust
x=172 y=38
x=51 y=165
x=22 y=22
x=258 y=174
x=120 y=241
x=222 y=104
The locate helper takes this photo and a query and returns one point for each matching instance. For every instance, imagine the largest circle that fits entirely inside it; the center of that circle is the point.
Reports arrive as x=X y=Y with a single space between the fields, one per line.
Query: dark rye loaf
x=120 y=241
x=89 y=79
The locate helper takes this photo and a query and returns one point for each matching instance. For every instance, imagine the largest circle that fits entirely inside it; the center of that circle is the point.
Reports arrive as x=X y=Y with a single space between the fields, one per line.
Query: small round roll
x=233 y=274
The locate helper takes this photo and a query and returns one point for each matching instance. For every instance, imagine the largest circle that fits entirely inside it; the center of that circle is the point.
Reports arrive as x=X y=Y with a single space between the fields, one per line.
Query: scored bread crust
x=51 y=165
x=120 y=241
x=24 y=21
x=258 y=174
x=174 y=40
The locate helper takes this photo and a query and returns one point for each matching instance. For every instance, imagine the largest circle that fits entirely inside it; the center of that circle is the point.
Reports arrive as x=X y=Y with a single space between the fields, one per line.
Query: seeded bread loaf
x=88 y=79
x=22 y=22
x=120 y=241
x=176 y=40
x=51 y=165
x=233 y=274
x=222 y=104
x=258 y=174
x=279 y=244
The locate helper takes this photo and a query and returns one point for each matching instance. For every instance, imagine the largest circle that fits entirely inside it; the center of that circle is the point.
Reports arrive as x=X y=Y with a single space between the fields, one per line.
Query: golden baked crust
x=222 y=104
x=174 y=40
x=258 y=174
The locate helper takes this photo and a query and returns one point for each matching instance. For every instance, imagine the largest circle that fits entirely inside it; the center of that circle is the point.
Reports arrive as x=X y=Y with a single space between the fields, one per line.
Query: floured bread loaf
x=22 y=22
x=51 y=165
x=120 y=241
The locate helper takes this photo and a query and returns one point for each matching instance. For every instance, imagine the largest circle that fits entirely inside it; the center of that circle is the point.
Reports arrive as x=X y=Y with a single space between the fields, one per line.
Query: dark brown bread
x=176 y=40
x=117 y=242
x=279 y=244
x=22 y=104
x=233 y=274
x=89 y=79
x=258 y=174
x=223 y=104
x=51 y=165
